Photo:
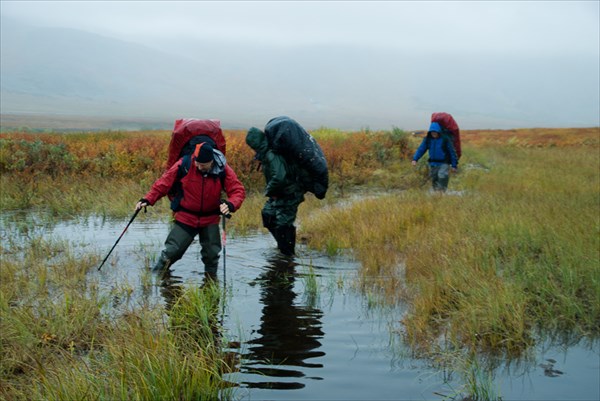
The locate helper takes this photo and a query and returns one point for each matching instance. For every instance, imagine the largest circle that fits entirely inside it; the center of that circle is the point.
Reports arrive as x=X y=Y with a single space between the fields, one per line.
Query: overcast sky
x=565 y=30
x=484 y=26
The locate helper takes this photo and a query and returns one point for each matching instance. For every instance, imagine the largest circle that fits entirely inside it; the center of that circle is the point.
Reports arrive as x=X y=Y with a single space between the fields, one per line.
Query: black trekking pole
x=118 y=239
x=224 y=242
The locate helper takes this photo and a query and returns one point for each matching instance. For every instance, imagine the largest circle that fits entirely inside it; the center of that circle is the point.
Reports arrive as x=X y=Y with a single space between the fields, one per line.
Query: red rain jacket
x=202 y=194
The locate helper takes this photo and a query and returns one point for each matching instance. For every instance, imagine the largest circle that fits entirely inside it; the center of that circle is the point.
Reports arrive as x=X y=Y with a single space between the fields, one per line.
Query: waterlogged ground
x=300 y=330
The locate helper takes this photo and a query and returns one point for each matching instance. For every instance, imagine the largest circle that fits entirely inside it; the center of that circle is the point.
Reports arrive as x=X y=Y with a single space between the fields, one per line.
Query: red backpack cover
x=187 y=128
x=450 y=126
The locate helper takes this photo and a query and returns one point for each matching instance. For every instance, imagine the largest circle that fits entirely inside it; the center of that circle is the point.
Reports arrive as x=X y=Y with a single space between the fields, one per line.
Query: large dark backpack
x=450 y=128
x=287 y=138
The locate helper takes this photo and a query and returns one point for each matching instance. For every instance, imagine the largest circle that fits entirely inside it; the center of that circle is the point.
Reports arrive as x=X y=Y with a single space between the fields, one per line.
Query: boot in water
x=286 y=240
x=161 y=264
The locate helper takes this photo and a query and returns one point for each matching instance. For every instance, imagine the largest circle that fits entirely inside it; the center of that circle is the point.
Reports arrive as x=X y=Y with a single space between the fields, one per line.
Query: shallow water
x=296 y=342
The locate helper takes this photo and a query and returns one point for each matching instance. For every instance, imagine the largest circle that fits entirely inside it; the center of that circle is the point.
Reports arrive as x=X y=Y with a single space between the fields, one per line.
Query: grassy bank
x=513 y=254
x=106 y=173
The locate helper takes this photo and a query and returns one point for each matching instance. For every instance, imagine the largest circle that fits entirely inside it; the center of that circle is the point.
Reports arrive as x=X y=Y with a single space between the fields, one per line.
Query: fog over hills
x=60 y=71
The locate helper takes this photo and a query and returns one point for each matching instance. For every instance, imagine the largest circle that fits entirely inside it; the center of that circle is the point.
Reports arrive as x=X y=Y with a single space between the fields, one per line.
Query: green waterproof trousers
x=278 y=217
x=440 y=177
x=181 y=237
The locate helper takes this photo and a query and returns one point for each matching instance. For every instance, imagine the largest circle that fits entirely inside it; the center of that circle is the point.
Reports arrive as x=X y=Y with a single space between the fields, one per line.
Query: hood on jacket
x=219 y=163
x=257 y=140
x=435 y=127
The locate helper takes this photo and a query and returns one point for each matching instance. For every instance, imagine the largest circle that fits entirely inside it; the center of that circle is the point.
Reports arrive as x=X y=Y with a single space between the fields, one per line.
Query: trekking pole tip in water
x=137 y=210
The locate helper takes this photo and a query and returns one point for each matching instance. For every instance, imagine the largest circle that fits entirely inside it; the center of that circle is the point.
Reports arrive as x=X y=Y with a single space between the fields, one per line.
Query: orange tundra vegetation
x=533 y=137
x=351 y=156
x=144 y=153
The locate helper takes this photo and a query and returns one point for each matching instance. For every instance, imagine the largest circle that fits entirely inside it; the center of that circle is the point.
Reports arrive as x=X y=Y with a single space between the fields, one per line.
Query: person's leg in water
x=285 y=231
x=286 y=240
x=268 y=217
x=210 y=242
x=179 y=239
x=442 y=177
x=278 y=217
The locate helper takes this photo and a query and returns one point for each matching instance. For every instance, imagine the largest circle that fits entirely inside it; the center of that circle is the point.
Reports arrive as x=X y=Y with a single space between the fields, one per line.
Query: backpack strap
x=177 y=189
x=182 y=171
x=222 y=178
x=184 y=167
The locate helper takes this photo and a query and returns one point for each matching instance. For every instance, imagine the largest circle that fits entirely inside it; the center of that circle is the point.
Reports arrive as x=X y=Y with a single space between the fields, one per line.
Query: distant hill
x=61 y=123
x=62 y=73
x=48 y=71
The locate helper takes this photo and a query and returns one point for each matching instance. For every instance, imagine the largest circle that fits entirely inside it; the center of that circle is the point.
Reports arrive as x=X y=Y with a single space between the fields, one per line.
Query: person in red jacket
x=197 y=205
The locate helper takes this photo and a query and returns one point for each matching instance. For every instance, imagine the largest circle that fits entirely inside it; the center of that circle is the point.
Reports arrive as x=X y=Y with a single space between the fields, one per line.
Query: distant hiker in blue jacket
x=442 y=156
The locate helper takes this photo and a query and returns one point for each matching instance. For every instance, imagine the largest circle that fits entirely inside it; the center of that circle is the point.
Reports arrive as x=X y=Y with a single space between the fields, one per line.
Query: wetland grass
x=57 y=341
x=311 y=288
x=511 y=257
x=515 y=255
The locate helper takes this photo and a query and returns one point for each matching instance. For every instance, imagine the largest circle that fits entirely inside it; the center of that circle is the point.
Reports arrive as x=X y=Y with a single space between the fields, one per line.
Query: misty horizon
x=51 y=66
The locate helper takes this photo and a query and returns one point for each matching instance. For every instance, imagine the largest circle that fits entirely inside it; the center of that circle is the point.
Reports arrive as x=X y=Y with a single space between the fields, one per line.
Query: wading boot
x=210 y=278
x=210 y=272
x=286 y=240
x=162 y=263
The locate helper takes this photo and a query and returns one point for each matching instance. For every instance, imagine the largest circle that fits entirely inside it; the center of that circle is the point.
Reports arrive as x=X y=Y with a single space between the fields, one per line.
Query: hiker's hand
x=414 y=162
x=454 y=169
x=141 y=203
x=226 y=207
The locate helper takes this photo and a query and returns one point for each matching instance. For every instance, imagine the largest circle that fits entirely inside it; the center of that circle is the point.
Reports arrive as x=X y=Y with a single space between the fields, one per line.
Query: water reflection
x=194 y=311
x=171 y=288
x=289 y=333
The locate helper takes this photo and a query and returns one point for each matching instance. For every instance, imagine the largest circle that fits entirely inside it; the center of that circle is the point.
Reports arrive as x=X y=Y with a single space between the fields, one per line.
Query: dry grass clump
x=533 y=137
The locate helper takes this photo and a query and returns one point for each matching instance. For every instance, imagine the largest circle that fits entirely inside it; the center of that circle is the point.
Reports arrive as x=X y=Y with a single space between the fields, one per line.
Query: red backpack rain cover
x=447 y=122
x=187 y=128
